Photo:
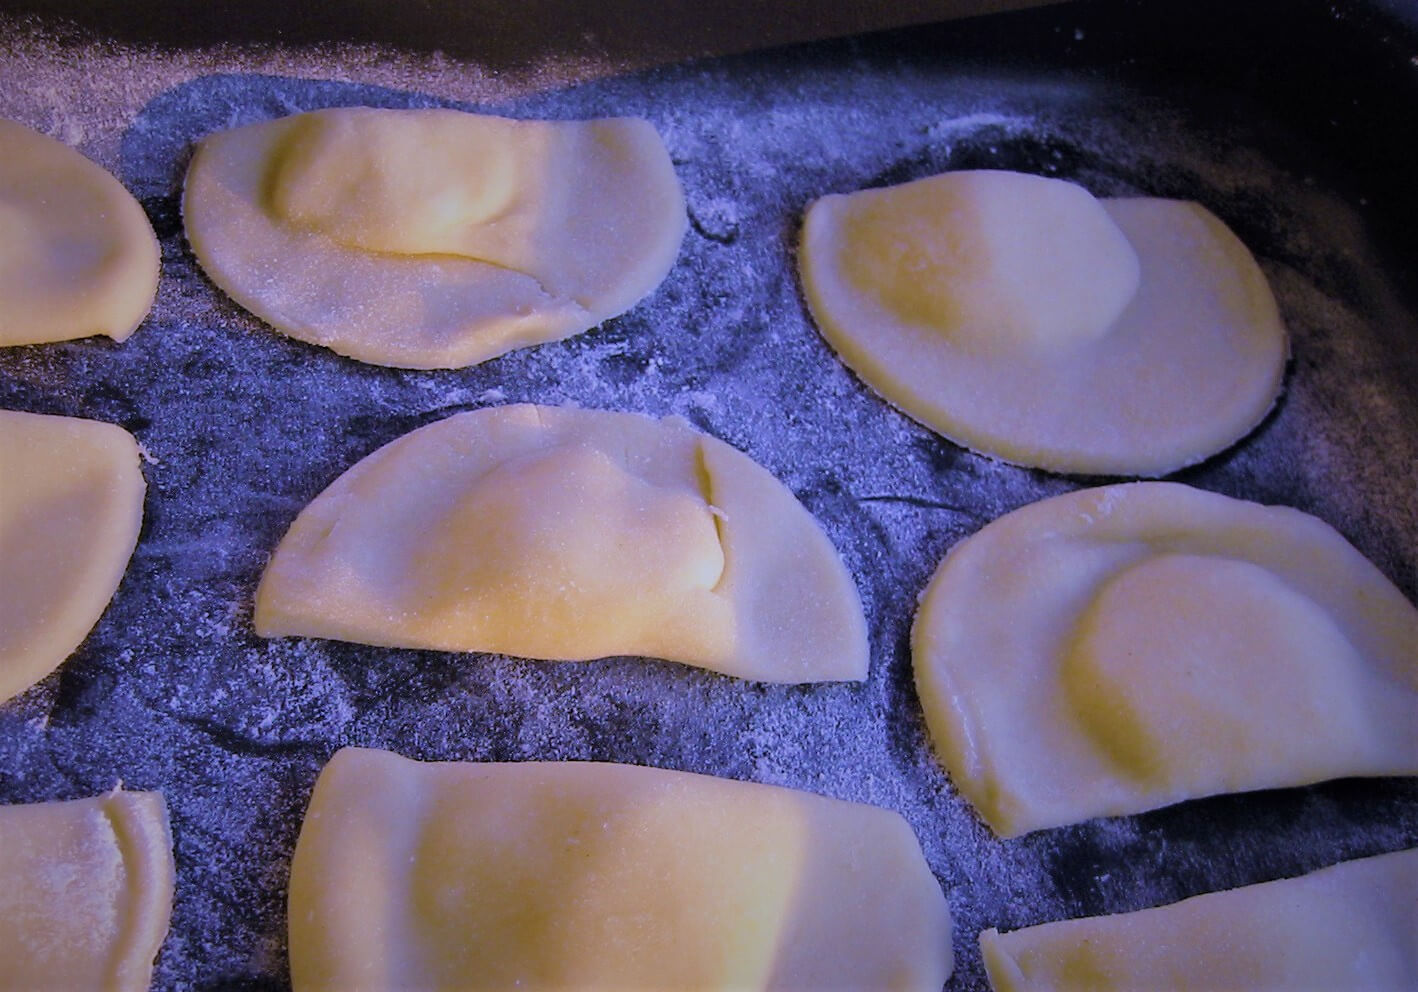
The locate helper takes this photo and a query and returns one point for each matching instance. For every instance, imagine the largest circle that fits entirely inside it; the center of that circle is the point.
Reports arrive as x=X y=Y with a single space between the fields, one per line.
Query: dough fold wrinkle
x=1114 y=650
x=77 y=254
x=433 y=238
x=568 y=535
x=71 y=507
x=1022 y=318
x=1350 y=926
x=584 y=875
x=85 y=892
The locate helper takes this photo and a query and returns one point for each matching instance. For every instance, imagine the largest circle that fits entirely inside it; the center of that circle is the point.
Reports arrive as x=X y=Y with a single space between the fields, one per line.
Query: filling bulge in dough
x=434 y=238
x=995 y=262
x=1022 y=318
x=71 y=506
x=562 y=541
x=1114 y=650
x=561 y=875
x=1350 y=926
x=85 y=892
x=569 y=534
x=429 y=183
x=77 y=254
x=1171 y=659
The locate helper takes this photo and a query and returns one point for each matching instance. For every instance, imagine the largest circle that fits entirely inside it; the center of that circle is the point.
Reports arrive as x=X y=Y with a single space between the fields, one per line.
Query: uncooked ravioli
x=71 y=505
x=591 y=876
x=569 y=534
x=85 y=892
x=1022 y=318
x=1350 y=926
x=1118 y=649
x=433 y=238
x=77 y=254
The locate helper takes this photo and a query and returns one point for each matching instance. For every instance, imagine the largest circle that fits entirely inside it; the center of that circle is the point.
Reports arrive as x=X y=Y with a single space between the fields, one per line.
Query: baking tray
x=172 y=690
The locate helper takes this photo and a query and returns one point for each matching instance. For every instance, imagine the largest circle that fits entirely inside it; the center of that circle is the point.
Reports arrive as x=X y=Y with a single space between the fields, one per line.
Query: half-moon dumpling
x=1118 y=649
x=71 y=506
x=85 y=892
x=77 y=254
x=1351 y=926
x=569 y=534
x=591 y=876
x=1022 y=318
x=433 y=238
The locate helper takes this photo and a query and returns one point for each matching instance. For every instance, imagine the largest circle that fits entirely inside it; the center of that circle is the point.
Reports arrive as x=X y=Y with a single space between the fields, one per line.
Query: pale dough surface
x=433 y=238
x=85 y=892
x=569 y=534
x=77 y=254
x=71 y=506
x=1350 y=926
x=1020 y=318
x=581 y=875
x=1113 y=650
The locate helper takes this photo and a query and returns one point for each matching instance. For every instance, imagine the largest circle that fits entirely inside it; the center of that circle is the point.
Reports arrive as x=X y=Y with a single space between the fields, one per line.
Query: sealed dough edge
x=565 y=534
x=1298 y=657
x=1353 y=925
x=587 y=875
x=53 y=198
x=1192 y=365
x=71 y=508
x=86 y=889
x=591 y=225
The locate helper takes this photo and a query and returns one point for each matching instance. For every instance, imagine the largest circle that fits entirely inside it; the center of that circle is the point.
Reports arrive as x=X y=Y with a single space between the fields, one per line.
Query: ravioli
x=560 y=875
x=1114 y=650
x=77 y=254
x=71 y=506
x=433 y=238
x=85 y=892
x=1350 y=926
x=1022 y=318
x=569 y=534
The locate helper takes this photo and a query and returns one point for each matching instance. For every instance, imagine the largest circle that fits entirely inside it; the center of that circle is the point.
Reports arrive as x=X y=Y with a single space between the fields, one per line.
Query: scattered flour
x=173 y=690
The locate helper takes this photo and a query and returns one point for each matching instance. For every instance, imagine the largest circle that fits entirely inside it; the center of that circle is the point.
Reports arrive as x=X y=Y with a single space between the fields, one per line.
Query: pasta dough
x=579 y=875
x=1118 y=649
x=433 y=238
x=77 y=254
x=1352 y=926
x=569 y=534
x=71 y=505
x=85 y=892
x=1018 y=316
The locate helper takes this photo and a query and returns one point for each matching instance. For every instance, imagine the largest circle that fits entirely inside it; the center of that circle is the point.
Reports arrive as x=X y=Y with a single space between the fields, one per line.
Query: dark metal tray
x=172 y=691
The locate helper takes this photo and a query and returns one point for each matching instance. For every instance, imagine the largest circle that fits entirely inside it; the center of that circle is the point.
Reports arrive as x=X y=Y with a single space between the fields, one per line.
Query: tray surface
x=243 y=426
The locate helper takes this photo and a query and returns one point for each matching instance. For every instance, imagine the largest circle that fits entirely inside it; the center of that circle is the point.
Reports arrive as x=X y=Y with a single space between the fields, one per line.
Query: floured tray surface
x=243 y=426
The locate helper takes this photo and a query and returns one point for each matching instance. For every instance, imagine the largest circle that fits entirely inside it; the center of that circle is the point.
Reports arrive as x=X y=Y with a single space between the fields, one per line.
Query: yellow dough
x=586 y=876
x=1352 y=926
x=77 y=254
x=85 y=892
x=434 y=238
x=1118 y=649
x=569 y=534
x=1022 y=318
x=71 y=505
